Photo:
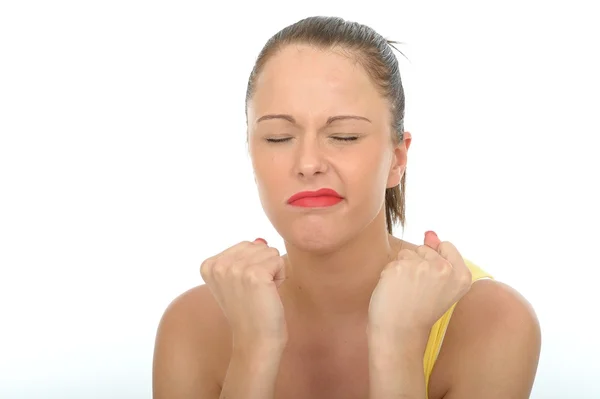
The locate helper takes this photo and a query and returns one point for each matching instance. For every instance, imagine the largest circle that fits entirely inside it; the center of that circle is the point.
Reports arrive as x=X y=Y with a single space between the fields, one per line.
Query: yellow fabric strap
x=438 y=330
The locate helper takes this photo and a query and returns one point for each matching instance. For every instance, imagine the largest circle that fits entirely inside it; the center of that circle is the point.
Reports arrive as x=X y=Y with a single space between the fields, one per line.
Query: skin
x=335 y=257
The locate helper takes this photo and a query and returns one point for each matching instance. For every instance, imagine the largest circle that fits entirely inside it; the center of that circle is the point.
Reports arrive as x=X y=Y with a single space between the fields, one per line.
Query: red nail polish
x=261 y=239
x=431 y=232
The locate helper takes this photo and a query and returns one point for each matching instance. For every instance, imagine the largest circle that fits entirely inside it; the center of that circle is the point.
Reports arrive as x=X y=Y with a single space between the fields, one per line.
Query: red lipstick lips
x=320 y=198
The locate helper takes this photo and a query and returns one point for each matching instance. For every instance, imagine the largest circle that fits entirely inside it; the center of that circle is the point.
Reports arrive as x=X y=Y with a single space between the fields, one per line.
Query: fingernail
x=431 y=232
x=261 y=239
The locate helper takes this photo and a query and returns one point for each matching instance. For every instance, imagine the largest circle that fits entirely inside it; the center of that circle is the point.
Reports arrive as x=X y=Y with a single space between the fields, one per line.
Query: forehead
x=301 y=78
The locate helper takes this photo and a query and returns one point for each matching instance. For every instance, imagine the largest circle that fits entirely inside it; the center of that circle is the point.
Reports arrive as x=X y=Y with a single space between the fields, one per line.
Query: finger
x=449 y=252
x=428 y=253
x=271 y=259
x=405 y=254
x=245 y=249
x=234 y=250
x=206 y=265
x=262 y=253
x=258 y=240
x=432 y=240
x=274 y=265
x=280 y=274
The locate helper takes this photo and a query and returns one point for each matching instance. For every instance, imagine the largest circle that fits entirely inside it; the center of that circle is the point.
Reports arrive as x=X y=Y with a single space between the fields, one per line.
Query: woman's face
x=354 y=156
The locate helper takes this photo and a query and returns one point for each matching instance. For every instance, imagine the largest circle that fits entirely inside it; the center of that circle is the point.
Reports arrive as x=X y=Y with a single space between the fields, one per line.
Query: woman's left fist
x=417 y=288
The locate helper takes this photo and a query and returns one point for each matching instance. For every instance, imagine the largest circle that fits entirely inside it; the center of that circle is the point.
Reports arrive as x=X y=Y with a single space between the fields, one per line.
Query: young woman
x=350 y=311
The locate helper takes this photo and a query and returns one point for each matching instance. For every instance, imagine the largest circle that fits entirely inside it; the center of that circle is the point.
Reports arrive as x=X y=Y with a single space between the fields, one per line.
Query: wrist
x=252 y=371
x=396 y=364
x=258 y=349
x=387 y=351
x=411 y=339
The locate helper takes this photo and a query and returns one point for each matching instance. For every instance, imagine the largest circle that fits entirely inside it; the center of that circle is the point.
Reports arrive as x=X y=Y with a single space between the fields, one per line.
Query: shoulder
x=189 y=343
x=188 y=303
x=495 y=333
x=494 y=310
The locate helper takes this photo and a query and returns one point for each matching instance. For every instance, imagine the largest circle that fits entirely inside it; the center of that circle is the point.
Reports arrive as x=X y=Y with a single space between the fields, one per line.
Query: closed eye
x=348 y=138
x=278 y=140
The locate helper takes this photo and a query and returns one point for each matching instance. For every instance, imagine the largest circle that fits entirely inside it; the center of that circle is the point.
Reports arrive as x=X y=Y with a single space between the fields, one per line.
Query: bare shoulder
x=188 y=347
x=492 y=345
x=197 y=300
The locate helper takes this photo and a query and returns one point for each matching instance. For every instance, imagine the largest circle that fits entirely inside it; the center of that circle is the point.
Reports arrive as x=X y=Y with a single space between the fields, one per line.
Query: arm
x=492 y=345
x=490 y=351
x=397 y=373
x=252 y=373
x=186 y=353
x=182 y=353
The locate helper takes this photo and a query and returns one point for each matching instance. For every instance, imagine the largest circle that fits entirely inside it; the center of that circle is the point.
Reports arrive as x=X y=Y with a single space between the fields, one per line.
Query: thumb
x=280 y=273
x=432 y=240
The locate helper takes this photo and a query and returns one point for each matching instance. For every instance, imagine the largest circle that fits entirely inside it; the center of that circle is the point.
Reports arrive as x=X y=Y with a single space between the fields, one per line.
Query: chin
x=318 y=239
x=316 y=247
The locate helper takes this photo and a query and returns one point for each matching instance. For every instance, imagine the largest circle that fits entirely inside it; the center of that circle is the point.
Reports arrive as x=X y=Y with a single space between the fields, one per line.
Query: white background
x=123 y=165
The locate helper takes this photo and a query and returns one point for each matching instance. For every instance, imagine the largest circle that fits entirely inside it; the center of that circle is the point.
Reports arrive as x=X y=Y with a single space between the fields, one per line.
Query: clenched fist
x=244 y=280
x=417 y=288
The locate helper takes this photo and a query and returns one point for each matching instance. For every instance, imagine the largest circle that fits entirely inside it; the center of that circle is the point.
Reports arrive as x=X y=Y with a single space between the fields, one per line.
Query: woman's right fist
x=244 y=281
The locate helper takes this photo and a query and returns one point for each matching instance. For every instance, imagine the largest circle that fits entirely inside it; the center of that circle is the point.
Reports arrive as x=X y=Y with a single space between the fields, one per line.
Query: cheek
x=271 y=177
x=270 y=166
x=369 y=169
x=367 y=178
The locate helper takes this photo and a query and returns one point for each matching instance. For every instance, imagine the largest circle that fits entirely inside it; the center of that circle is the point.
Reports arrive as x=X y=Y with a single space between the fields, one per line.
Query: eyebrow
x=330 y=120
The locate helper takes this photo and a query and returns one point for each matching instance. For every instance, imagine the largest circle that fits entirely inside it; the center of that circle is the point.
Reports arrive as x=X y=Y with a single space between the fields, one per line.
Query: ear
x=407 y=139
x=398 y=165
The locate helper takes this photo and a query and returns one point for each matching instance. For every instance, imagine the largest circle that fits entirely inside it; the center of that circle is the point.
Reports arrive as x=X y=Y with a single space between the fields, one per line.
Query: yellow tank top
x=438 y=330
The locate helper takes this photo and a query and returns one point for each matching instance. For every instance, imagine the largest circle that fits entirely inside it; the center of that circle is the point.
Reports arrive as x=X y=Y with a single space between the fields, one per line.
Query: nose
x=310 y=158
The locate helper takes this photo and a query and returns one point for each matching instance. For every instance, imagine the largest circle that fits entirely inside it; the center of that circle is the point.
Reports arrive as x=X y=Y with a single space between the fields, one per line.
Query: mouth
x=315 y=199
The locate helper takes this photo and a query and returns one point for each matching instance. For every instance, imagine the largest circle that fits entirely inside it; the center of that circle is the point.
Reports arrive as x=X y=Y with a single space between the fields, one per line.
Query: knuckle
x=404 y=253
x=397 y=265
x=219 y=270
x=422 y=267
x=236 y=269
x=273 y=251
x=400 y=263
x=250 y=275
x=253 y=278
x=447 y=248
x=278 y=262
x=239 y=248
x=444 y=267
x=467 y=277
x=421 y=249
x=206 y=268
x=391 y=267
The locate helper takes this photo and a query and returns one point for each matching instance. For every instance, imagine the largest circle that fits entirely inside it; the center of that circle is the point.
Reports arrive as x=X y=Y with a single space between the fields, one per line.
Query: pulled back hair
x=374 y=53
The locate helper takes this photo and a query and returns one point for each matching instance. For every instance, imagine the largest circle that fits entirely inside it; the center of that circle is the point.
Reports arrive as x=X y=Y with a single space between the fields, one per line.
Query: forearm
x=251 y=374
x=396 y=371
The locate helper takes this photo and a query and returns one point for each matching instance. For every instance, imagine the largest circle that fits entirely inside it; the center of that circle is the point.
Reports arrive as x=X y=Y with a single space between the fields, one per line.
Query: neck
x=337 y=285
